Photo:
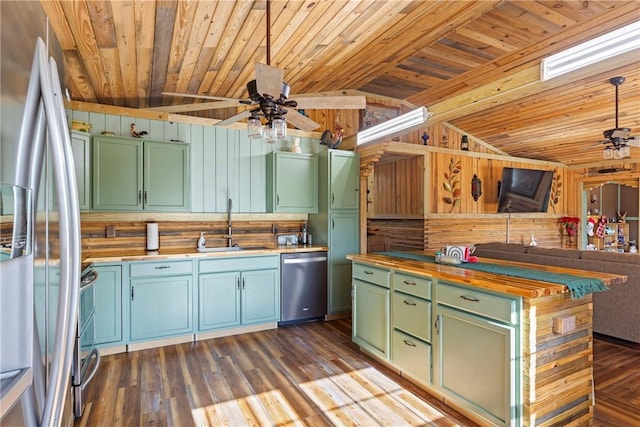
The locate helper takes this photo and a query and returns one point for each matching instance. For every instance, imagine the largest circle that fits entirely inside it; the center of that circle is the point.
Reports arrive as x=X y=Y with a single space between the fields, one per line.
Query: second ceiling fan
x=269 y=95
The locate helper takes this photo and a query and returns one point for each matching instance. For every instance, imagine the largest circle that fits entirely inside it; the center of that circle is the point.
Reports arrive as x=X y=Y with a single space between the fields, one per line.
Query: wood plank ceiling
x=474 y=64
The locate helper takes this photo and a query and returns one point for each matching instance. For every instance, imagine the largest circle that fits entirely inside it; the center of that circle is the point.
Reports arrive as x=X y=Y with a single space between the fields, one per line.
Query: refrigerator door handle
x=69 y=229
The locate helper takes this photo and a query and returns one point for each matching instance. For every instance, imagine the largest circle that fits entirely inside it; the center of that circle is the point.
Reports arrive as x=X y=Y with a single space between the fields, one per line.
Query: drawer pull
x=469 y=299
x=406 y=282
x=409 y=343
x=368 y=272
x=409 y=303
x=162 y=267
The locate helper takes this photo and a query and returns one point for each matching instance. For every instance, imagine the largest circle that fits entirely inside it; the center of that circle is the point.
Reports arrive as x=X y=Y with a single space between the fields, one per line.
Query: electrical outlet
x=274 y=228
x=110 y=231
x=564 y=324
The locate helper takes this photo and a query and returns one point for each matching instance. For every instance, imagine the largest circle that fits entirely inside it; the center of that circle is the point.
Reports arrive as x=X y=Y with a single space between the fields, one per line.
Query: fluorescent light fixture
x=601 y=48
x=395 y=126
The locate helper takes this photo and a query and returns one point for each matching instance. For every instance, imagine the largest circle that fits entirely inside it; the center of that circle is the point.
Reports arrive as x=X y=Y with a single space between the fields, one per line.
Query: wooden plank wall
x=457 y=229
x=131 y=235
x=397 y=188
x=395 y=235
x=557 y=383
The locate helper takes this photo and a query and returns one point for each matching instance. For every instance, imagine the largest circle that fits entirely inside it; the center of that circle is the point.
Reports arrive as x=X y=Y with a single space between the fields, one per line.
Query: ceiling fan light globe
x=254 y=128
x=617 y=154
x=607 y=153
x=279 y=128
x=626 y=152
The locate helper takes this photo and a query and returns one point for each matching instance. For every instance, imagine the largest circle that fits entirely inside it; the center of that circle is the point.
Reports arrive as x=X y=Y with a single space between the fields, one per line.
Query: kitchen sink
x=222 y=249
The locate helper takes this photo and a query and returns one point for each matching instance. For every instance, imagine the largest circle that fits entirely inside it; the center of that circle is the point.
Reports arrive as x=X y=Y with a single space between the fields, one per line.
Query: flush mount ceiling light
x=397 y=125
x=614 y=43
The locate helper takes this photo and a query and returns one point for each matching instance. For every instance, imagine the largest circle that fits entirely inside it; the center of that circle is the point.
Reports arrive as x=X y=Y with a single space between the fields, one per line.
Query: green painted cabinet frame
x=108 y=304
x=81 y=148
x=292 y=182
x=135 y=175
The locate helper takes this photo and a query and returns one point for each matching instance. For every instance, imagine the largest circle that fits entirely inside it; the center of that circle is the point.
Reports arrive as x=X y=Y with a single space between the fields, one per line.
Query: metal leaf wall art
x=556 y=185
x=451 y=184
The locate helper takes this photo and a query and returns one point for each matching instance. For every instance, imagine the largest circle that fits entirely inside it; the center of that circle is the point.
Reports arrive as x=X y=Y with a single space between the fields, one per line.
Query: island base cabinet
x=160 y=307
x=412 y=356
x=476 y=364
x=370 y=317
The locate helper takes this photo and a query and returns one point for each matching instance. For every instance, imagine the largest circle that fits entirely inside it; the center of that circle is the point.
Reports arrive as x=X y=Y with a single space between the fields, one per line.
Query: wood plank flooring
x=309 y=374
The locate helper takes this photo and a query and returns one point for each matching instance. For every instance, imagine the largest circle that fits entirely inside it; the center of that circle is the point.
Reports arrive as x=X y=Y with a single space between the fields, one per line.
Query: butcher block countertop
x=526 y=288
x=162 y=254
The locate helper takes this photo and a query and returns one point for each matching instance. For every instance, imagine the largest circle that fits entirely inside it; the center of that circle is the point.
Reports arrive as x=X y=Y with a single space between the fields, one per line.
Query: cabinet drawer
x=239 y=263
x=478 y=302
x=160 y=268
x=412 y=315
x=414 y=285
x=370 y=274
x=412 y=356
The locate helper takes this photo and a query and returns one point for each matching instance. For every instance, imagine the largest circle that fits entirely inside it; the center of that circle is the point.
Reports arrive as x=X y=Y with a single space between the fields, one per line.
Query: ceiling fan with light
x=618 y=140
x=269 y=97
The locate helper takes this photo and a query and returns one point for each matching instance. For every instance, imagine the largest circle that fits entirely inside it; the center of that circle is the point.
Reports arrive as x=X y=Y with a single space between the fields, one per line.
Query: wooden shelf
x=616 y=237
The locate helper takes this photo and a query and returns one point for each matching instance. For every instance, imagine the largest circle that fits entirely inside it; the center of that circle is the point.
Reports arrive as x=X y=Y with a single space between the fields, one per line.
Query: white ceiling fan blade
x=634 y=141
x=233 y=119
x=354 y=102
x=198 y=106
x=300 y=121
x=269 y=80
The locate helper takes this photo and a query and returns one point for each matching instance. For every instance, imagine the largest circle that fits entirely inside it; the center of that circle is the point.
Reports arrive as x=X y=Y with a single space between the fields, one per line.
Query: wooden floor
x=310 y=374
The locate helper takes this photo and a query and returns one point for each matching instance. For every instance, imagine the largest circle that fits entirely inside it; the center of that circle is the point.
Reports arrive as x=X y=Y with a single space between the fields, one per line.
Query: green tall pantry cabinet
x=337 y=222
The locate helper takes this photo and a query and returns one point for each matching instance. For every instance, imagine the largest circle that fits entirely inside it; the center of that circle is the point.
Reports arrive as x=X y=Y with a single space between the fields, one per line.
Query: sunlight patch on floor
x=269 y=408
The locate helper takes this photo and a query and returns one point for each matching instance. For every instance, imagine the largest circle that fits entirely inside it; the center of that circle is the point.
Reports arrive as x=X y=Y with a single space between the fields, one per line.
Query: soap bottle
x=201 y=241
x=304 y=234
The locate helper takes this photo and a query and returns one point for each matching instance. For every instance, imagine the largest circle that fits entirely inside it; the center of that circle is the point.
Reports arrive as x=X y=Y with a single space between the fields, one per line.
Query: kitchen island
x=503 y=350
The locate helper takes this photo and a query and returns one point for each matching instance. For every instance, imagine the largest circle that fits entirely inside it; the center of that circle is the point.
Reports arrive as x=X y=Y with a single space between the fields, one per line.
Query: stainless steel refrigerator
x=39 y=259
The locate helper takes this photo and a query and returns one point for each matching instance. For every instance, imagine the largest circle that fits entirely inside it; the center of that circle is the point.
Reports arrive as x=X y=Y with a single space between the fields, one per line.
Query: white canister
x=295 y=146
x=153 y=239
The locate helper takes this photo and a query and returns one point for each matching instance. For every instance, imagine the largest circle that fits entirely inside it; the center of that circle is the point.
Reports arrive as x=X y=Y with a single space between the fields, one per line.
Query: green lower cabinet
x=343 y=240
x=108 y=304
x=219 y=304
x=260 y=296
x=412 y=355
x=237 y=298
x=371 y=317
x=160 y=307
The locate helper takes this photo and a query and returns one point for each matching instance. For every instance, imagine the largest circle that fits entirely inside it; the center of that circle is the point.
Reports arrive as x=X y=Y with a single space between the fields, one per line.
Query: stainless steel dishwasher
x=303 y=287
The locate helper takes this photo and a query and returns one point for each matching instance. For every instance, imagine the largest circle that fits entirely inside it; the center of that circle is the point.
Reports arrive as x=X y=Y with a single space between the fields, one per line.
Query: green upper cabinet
x=292 y=182
x=166 y=176
x=343 y=169
x=81 y=148
x=134 y=175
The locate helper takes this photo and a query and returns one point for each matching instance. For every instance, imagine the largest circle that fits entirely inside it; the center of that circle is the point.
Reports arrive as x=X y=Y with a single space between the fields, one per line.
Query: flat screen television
x=524 y=190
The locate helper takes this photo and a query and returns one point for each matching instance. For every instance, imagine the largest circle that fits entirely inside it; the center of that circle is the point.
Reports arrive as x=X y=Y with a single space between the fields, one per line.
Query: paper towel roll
x=153 y=241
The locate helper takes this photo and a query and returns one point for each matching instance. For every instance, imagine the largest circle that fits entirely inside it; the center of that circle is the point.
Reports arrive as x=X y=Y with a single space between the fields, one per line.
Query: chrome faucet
x=229 y=235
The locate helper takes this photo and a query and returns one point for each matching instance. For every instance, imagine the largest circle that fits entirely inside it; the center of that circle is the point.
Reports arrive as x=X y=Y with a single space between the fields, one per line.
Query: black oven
x=85 y=355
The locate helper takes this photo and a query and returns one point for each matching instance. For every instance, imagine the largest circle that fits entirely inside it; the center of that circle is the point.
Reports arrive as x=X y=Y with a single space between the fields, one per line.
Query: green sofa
x=616 y=312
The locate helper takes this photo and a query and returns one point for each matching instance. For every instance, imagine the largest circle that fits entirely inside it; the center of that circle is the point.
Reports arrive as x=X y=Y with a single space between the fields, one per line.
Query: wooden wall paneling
x=395 y=235
x=197 y=167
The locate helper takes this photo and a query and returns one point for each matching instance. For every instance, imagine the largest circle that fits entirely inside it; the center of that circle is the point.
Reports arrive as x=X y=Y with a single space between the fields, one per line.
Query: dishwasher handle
x=303 y=260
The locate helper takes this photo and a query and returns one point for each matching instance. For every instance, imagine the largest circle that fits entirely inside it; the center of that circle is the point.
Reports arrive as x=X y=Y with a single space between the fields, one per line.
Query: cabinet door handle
x=238 y=282
x=139 y=196
x=406 y=282
x=333 y=224
x=162 y=267
x=333 y=198
x=437 y=325
x=145 y=197
x=243 y=283
x=469 y=299
x=368 y=272
x=409 y=343
x=277 y=199
x=133 y=293
x=409 y=303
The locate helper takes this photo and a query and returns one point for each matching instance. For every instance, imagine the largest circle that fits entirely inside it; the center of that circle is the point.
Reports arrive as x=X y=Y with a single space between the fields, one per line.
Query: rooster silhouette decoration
x=330 y=140
x=135 y=133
